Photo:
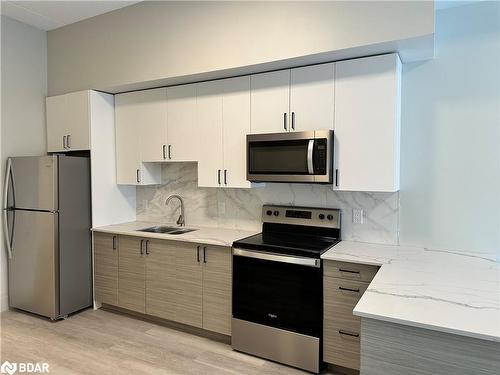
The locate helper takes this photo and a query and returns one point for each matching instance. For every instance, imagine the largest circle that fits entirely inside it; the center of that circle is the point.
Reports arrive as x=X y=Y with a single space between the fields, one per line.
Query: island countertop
x=205 y=235
x=434 y=289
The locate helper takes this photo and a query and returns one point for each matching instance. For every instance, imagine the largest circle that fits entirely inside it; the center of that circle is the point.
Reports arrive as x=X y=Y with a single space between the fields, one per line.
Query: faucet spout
x=181 y=220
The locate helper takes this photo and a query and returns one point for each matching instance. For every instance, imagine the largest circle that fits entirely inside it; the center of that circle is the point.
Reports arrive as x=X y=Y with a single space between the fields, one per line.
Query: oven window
x=278 y=157
x=280 y=295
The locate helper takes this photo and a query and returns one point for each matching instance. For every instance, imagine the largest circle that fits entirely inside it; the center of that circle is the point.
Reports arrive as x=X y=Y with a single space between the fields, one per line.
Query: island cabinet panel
x=131 y=275
x=342 y=330
x=160 y=280
x=396 y=349
x=217 y=266
x=189 y=284
x=106 y=268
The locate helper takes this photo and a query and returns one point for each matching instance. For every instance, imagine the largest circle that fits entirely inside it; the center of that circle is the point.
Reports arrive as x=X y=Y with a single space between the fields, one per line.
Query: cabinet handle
x=342 y=332
x=138 y=175
x=64 y=141
x=114 y=242
x=68 y=140
x=348 y=271
x=284 y=120
x=198 y=254
x=336 y=177
x=147 y=247
x=142 y=247
x=293 y=120
x=204 y=254
x=349 y=289
x=170 y=151
x=225 y=176
x=164 y=151
x=218 y=176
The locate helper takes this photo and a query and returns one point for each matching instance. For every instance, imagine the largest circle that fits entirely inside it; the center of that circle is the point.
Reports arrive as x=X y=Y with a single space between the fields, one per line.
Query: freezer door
x=33 y=183
x=33 y=269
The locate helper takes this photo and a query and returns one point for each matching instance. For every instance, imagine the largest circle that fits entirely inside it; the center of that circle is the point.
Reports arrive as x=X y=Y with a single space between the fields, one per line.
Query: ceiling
x=48 y=15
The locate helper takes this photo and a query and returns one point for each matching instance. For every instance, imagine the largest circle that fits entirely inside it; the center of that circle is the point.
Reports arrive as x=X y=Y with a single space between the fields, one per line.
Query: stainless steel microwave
x=290 y=157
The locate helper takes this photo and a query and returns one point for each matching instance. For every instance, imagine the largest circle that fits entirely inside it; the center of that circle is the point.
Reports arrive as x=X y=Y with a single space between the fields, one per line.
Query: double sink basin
x=166 y=230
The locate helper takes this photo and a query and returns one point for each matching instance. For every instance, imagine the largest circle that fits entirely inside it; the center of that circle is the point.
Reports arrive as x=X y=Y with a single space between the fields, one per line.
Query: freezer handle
x=5 y=208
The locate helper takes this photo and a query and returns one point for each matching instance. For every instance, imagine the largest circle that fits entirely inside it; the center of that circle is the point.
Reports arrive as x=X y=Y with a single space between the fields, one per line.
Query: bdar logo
x=8 y=368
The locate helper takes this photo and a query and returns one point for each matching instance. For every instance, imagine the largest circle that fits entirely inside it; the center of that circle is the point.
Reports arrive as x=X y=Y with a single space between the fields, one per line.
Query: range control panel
x=317 y=217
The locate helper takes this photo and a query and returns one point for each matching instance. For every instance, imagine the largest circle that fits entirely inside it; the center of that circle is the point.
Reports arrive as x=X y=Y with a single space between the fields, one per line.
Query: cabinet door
x=270 y=102
x=312 y=97
x=78 y=120
x=56 y=123
x=217 y=289
x=236 y=126
x=189 y=281
x=131 y=274
x=128 y=155
x=106 y=268
x=367 y=140
x=209 y=114
x=181 y=122
x=160 y=279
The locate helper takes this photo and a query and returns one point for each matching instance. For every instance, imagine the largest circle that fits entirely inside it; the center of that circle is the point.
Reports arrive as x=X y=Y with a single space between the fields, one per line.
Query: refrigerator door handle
x=5 y=208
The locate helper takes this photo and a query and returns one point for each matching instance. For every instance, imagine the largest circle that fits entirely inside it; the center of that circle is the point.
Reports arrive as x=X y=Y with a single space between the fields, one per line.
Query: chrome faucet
x=181 y=220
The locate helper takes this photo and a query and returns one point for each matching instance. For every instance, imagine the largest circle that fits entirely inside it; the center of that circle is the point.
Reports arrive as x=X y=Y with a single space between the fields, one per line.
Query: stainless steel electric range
x=278 y=285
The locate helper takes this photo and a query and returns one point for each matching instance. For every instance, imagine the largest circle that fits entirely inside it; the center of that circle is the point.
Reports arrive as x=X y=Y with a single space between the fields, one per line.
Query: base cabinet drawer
x=343 y=286
x=351 y=271
x=341 y=347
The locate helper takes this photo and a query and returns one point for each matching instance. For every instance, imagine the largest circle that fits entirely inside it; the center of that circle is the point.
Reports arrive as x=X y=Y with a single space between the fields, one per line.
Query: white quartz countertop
x=438 y=290
x=203 y=235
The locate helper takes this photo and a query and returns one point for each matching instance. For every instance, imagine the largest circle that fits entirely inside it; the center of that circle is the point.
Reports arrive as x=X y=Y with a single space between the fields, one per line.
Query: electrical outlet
x=357 y=215
x=145 y=204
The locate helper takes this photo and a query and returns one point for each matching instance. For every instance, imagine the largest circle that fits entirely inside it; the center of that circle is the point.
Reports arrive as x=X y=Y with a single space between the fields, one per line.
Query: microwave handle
x=310 y=163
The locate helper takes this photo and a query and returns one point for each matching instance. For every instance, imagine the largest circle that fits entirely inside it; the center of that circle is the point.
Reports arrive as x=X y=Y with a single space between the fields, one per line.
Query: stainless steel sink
x=167 y=230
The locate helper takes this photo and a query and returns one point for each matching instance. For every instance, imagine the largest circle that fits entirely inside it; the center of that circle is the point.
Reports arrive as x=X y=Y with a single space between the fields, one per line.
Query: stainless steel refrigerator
x=47 y=219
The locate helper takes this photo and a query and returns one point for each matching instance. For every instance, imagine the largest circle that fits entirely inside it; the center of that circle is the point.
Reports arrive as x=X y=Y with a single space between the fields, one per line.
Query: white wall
x=24 y=87
x=450 y=149
x=157 y=40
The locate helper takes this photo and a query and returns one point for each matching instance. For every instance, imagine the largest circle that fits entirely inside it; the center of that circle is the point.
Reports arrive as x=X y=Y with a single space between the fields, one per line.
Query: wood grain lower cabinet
x=131 y=274
x=189 y=284
x=106 y=268
x=341 y=329
x=160 y=280
x=179 y=281
x=217 y=266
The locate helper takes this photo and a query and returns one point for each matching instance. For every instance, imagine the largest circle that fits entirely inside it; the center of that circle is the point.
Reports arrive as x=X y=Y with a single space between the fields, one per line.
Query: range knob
x=321 y=216
x=276 y=213
x=330 y=217
x=269 y=212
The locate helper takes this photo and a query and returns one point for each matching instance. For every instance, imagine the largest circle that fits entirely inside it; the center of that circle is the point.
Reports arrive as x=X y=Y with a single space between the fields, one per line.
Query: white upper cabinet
x=223 y=110
x=68 y=122
x=137 y=120
x=270 y=93
x=367 y=123
x=236 y=121
x=312 y=97
x=181 y=123
x=209 y=145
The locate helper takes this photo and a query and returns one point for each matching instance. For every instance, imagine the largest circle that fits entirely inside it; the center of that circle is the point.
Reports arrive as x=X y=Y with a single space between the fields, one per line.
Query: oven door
x=290 y=157
x=279 y=291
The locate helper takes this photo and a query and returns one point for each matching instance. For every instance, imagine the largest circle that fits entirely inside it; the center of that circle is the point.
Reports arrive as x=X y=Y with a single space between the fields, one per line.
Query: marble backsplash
x=241 y=208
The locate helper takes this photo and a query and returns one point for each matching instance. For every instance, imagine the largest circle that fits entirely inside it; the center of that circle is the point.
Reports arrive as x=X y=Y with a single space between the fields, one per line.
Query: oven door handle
x=301 y=261
x=310 y=150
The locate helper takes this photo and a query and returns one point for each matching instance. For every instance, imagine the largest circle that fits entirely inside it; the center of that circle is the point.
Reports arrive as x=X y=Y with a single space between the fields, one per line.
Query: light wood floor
x=103 y=342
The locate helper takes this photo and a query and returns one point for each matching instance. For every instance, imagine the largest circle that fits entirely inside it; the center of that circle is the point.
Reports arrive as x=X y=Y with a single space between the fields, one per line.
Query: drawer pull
x=349 y=289
x=348 y=271
x=342 y=332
